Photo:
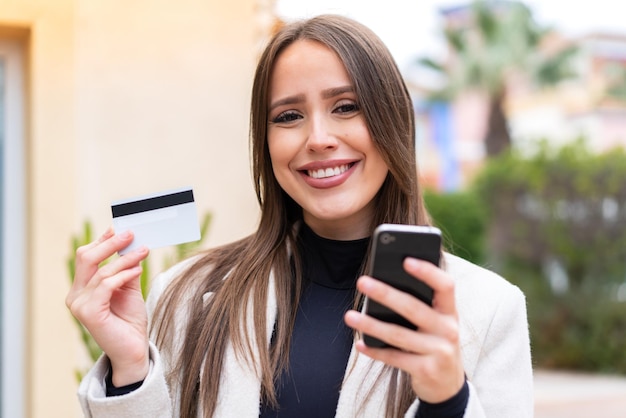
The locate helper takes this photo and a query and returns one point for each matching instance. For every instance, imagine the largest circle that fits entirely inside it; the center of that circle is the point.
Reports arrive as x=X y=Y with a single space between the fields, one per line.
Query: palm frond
x=557 y=67
x=485 y=21
x=456 y=39
x=432 y=65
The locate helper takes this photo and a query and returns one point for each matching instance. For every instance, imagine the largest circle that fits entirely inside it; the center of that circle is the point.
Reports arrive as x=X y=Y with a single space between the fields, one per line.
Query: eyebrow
x=336 y=91
x=299 y=98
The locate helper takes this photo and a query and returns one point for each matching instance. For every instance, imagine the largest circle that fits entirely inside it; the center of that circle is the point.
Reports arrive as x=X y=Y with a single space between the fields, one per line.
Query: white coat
x=494 y=342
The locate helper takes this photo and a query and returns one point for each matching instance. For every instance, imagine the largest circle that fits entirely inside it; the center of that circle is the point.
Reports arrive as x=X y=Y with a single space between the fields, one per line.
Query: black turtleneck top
x=321 y=341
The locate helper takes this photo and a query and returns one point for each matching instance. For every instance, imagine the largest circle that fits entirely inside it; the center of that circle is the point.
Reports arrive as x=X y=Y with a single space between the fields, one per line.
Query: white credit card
x=158 y=219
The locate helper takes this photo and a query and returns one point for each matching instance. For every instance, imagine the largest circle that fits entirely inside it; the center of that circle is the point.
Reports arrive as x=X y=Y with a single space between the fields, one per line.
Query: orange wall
x=124 y=98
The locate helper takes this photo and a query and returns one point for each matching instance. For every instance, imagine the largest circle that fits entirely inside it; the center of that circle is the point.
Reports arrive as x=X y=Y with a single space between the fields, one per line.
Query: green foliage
x=566 y=205
x=615 y=74
x=181 y=251
x=462 y=219
x=580 y=331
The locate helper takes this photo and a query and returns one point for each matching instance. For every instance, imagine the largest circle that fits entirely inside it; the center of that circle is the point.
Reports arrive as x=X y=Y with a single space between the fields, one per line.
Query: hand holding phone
x=391 y=244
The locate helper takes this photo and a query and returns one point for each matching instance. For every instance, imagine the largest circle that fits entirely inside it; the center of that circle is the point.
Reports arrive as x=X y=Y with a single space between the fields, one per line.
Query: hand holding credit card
x=158 y=219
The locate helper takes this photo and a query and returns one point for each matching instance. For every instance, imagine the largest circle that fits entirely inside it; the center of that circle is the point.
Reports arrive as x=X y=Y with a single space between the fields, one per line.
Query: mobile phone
x=391 y=244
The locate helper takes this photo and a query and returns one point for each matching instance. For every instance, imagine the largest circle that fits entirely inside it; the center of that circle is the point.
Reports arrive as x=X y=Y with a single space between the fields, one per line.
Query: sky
x=410 y=27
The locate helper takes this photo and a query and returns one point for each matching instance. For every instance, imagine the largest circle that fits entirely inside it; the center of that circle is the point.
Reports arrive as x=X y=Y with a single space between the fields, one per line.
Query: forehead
x=305 y=63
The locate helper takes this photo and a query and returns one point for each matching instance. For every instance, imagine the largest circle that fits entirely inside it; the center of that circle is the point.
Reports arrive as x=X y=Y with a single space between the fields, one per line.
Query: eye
x=347 y=108
x=286 y=117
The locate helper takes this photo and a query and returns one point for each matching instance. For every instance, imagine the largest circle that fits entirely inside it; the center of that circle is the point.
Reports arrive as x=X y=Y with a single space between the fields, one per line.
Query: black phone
x=391 y=244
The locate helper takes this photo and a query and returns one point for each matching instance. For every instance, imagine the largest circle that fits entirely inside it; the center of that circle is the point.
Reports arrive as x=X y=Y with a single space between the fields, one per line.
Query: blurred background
x=521 y=111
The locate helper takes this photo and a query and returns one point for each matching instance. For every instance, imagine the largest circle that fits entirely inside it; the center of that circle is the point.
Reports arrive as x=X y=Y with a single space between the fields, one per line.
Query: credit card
x=158 y=219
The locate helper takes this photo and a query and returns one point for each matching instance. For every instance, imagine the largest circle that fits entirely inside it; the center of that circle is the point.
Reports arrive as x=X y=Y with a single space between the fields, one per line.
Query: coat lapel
x=240 y=384
x=360 y=377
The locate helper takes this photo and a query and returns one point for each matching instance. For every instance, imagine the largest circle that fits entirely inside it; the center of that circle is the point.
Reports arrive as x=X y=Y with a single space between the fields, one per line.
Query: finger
x=125 y=262
x=89 y=306
x=395 y=335
x=411 y=308
x=117 y=281
x=396 y=358
x=441 y=283
x=89 y=257
x=106 y=235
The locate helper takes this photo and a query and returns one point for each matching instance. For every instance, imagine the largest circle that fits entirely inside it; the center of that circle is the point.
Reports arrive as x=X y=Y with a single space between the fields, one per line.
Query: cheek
x=369 y=148
x=282 y=149
x=277 y=157
x=379 y=166
x=274 y=147
x=280 y=158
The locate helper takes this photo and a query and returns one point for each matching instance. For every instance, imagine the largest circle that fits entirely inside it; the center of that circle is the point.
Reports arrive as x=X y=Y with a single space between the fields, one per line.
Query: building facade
x=103 y=100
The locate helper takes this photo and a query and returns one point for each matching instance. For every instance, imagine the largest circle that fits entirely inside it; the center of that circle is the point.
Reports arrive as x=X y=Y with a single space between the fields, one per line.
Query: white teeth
x=329 y=172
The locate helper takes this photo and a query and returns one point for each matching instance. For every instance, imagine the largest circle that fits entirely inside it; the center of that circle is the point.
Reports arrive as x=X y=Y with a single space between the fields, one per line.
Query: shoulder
x=494 y=337
x=478 y=284
x=165 y=278
x=489 y=307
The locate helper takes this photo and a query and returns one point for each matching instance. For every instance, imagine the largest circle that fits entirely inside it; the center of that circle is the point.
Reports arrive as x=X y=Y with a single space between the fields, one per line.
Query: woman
x=256 y=327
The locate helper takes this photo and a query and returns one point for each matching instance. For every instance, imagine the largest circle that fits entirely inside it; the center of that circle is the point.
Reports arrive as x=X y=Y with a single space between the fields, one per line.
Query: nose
x=320 y=138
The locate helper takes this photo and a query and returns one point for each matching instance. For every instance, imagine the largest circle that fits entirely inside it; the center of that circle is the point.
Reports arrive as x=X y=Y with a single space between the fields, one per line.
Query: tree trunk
x=497 y=139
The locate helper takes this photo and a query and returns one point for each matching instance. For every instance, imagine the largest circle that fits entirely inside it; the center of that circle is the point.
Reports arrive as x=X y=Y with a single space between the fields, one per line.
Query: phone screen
x=392 y=243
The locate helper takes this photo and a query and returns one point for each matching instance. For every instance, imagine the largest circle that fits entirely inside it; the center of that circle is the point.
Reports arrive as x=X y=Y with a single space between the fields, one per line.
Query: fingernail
x=142 y=250
x=352 y=317
x=412 y=262
x=125 y=235
x=366 y=283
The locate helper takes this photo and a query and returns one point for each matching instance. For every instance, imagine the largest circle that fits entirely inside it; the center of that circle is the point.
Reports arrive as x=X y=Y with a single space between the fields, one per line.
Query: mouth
x=323 y=173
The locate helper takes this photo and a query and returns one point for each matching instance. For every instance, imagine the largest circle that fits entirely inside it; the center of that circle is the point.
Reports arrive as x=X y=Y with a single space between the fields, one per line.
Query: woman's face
x=322 y=153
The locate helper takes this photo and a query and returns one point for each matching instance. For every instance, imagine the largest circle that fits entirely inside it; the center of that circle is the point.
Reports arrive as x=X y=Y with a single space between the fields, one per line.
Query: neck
x=341 y=230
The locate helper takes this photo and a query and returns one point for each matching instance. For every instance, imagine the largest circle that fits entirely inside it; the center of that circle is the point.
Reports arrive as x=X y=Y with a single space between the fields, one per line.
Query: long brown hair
x=247 y=264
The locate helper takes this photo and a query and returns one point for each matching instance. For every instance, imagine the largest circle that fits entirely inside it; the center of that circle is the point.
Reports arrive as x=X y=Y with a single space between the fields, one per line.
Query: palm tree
x=500 y=39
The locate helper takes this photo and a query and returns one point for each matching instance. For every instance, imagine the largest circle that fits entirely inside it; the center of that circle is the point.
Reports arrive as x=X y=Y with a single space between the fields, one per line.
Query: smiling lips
x=328 y=172
x=326 y=177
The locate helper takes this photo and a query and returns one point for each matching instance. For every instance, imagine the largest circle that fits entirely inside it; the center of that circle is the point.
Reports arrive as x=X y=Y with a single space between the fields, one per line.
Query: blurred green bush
x=461 y=216
x=565 y=205
x=556 y=228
